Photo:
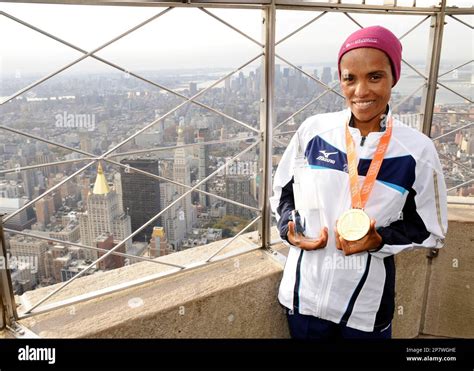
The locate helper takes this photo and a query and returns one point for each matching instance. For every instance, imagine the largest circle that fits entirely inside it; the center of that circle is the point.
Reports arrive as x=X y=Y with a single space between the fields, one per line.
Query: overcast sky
x=189 y=38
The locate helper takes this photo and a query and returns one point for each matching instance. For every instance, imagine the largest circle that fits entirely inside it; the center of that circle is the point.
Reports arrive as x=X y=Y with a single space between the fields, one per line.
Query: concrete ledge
x=443 y=285
x=450 y=304
x=234 y=298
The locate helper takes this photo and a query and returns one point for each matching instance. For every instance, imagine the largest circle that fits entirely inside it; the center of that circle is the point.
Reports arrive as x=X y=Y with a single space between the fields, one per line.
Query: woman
x=367 y=188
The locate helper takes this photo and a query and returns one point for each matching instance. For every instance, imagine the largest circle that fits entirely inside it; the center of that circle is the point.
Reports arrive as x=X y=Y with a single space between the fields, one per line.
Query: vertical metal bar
x=266 y=122
x=8 y=312
x=434 y=56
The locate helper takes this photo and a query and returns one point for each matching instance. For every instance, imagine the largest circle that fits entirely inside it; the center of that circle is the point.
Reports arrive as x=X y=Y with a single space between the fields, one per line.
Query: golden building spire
x=100 y=187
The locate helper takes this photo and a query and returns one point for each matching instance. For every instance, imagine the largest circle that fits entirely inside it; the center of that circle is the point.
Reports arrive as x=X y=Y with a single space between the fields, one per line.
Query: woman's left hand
x=370 y=241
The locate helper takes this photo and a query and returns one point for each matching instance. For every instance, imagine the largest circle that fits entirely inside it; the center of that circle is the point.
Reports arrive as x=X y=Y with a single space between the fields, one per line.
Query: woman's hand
x=370 y=241
x=306 y=243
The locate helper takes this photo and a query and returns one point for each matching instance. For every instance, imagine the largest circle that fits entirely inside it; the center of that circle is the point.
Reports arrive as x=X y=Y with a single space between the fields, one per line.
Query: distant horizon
x=204 y=69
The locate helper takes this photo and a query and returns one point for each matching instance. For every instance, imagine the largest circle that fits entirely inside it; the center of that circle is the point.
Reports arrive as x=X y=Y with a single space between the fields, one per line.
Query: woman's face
x=366 y=82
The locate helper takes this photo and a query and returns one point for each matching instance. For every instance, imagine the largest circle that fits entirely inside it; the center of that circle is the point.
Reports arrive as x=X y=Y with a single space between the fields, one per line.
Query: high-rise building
x=181 y=174
x=202 y=135
x=44 y=158
x=326 y=76
x=173 y=220
x=192 y=88
x=56 y=259
x=28 y=178
x=30 y=249
x=141 y=195
x=106 y=241
x=102 y=215
x=118 y=189
x=158 y=243
x=238 y=188
x=44 y=210
x=24 y=219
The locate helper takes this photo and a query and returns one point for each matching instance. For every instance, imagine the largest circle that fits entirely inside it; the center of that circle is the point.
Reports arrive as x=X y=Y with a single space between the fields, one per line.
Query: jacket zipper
x=362 y=141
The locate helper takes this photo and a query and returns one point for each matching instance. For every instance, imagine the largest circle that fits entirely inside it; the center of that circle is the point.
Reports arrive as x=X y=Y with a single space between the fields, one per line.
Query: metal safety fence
x=269 y=133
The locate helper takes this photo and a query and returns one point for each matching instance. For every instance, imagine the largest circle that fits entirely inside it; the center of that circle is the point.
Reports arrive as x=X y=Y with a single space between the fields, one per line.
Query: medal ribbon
x=360 y=197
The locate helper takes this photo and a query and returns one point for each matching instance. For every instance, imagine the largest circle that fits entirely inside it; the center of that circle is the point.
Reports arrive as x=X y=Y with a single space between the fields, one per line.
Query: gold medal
x=353 y=225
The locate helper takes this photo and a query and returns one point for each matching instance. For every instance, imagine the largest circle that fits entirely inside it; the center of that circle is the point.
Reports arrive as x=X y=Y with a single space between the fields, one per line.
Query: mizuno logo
x=327 y=154
x=326 y=158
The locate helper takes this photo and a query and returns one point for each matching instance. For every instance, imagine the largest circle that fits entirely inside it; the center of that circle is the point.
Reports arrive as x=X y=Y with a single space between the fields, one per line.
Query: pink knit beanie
x=379 y=38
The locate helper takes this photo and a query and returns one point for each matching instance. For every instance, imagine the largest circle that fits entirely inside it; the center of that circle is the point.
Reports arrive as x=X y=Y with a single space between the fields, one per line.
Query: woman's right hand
x=306 y=243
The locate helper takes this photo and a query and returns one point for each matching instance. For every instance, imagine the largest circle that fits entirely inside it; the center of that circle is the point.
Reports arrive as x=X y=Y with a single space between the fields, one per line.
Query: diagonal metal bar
x=28 y=204
x=452 y=131
x=139 y=229
x=461 y=21
x=233 y=238
x=454 y=161
x=308 y=75
x=18 y=169
x=32 y=235
x=415 y=69
x=278 y=141
x=302 y=108
x=414 y=27
x=352 y=19
x=179 y=106
x=455 y=68
x=408 y=96
x=300 y=28
x=19 y=132
x=232 y=27
x=181 y=146
x=460 y=185
x=31 y=86
x=159 y=177
x=284 y=133
x=455 y=92
x=122 y=69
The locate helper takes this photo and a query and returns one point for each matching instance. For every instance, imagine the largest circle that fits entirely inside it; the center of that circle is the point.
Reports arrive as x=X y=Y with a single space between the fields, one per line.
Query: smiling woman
x=380 y=190
x=366 y=86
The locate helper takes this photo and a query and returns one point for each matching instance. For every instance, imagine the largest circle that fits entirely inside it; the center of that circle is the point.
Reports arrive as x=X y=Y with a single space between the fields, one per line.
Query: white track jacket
x=408 y=202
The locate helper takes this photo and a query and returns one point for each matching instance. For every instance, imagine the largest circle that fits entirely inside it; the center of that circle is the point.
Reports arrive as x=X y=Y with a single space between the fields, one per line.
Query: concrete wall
x=236 y=298
x=435 y=296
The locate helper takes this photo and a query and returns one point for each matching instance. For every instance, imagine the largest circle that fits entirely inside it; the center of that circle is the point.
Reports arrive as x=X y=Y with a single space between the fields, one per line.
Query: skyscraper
x=102 y=215
x=238 y=188
x=31 y=249
x=141 y=195
x=182 y=175
x=202 y=135
x=326 y=76
x=173 y=221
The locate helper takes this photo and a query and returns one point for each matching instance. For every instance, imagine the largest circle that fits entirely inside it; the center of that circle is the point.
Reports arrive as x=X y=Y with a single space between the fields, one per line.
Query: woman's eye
x=375 y=77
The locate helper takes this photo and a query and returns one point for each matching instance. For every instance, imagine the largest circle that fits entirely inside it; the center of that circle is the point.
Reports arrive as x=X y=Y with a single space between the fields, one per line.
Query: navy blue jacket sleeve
x=285 y=207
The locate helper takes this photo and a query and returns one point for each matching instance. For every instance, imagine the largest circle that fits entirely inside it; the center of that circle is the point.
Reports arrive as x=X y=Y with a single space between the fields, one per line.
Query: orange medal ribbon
x=360 y=196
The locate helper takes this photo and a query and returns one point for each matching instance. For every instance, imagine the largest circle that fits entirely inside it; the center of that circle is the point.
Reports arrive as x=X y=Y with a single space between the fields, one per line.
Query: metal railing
x=268 y=132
